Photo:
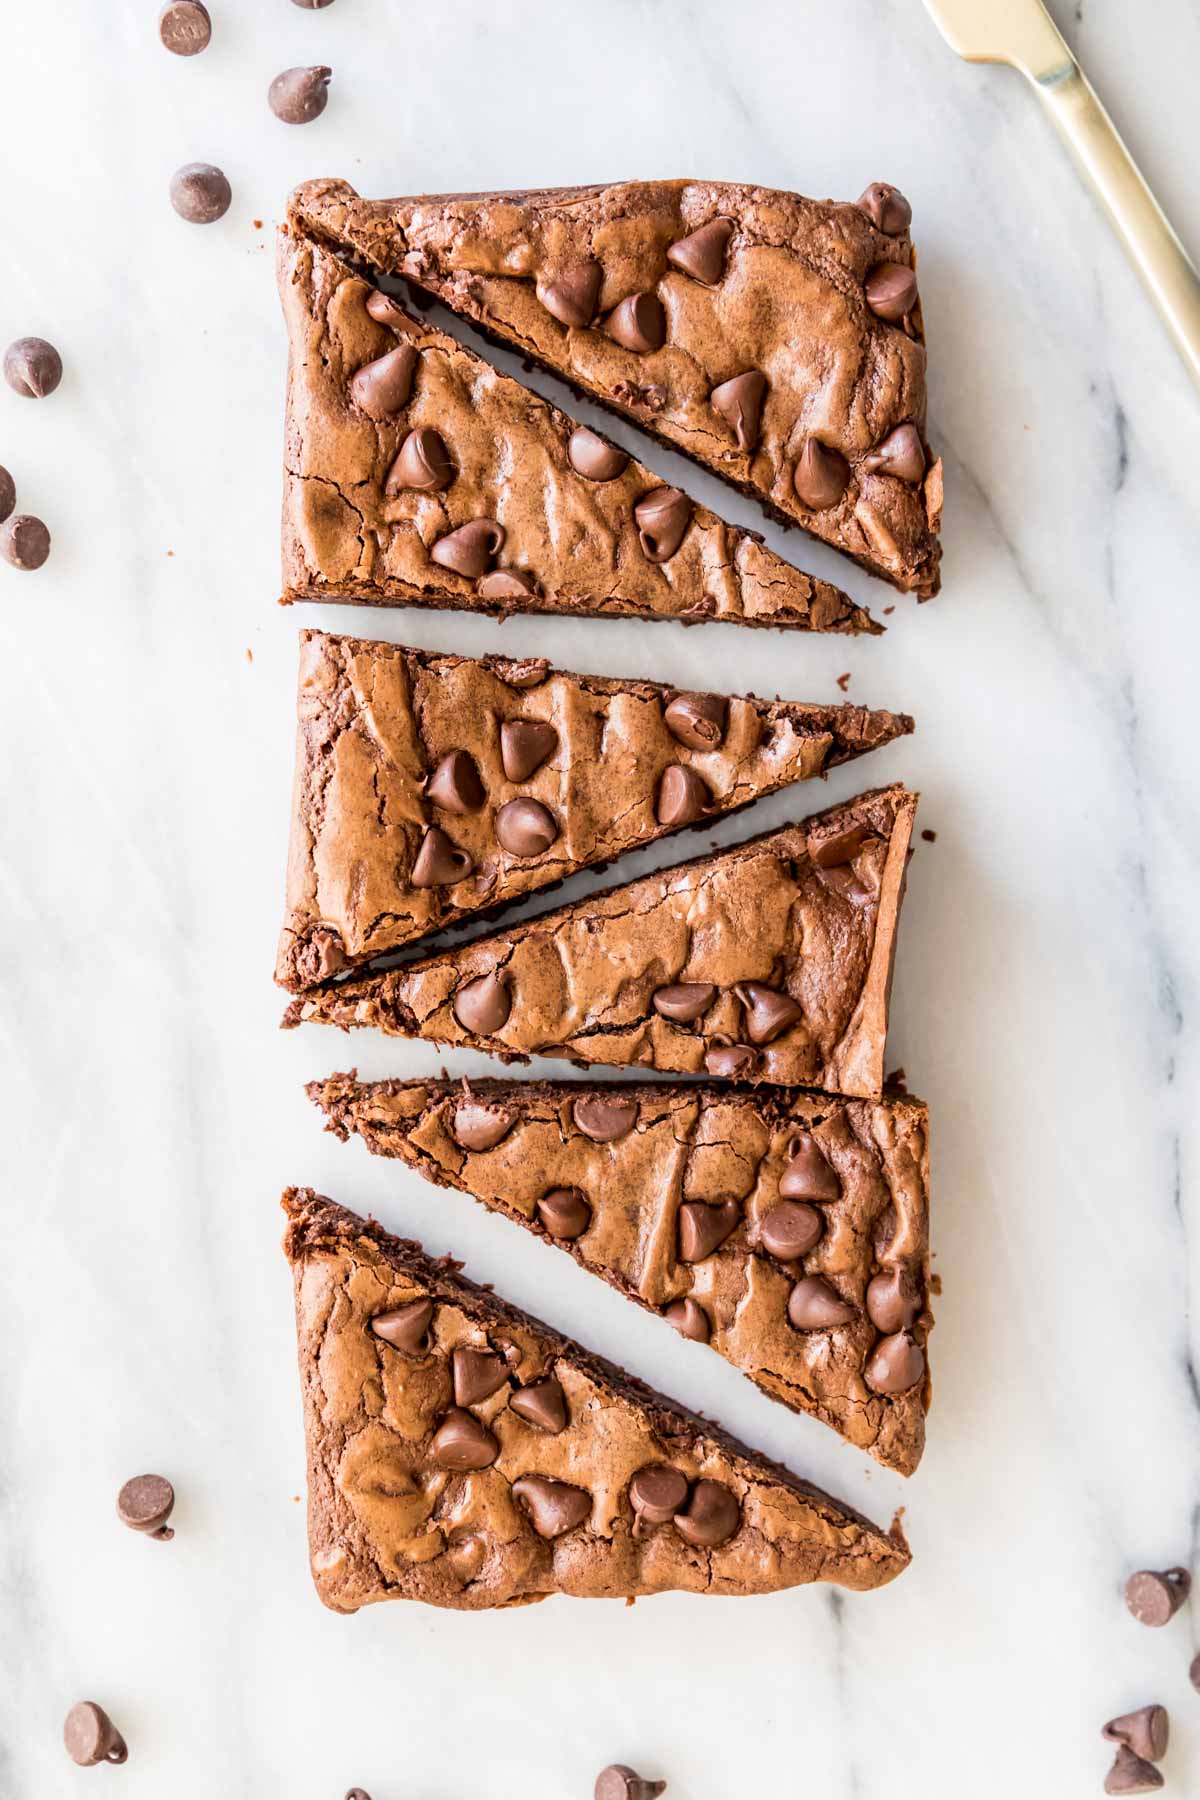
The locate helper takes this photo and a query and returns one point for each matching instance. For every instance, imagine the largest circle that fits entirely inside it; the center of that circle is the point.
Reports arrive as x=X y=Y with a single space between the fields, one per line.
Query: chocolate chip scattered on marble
x=8 y=494
x=1147 y=1731
x=184 y=27
x=316 y=6
x=701 y=254
x=145 y=1503
x=32 y=367
x=298 y=96
x=620 y=1782
x=200 y=193
x=1132 y=1774
x=593 y=457
x=1154 y=1596
x=351 y=1793
x=24 y=542
x=1194 y=1673
x=405 y=1327
x=91 y=1737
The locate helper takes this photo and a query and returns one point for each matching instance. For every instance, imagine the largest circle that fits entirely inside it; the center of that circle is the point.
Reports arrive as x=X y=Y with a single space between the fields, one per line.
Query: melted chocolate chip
x=470 y=549
x=900 y=454
x=893 y=1300
x=703 y=1228
x=821 y=475
x=483 y=1005
x=639 y=323
x=424 y=464
x=184 y=27
x=768 y=1012
x=564 y=1212
x=701 y=254
x=478 y=1374
x=886 y=208
x=808 y=1175
x=657 y=1493
x=298 y=96
x=842 y=880
x=439 y=861
x=382 y=387
x=543 y=1405
x=839 y=846
x=524 y=746
x=525 y=827
x=554 y=1507
x=711 y=1516
x=145 y=1503
x=662 y=518
x=689 y=1319
x=1154 y=1596
x=891 y=291
x=730 y=1062
x=200 y=193
x=683 y=796
x=790 y=1229
x=91 y=1737
x=605 y=1118
x=1147 y=1732
x=462 y=1443
x=455 y=784
x=814 y=1306
x=404 y=1328
x=479 y=1127
x=593 y=457
x=684 y=1000
x=739 y=402
x=896 y=1365
x=32 y=368
x=385 y=309
x=571 y=296
x=527 y=674
x=697 y=720
x=506 y=584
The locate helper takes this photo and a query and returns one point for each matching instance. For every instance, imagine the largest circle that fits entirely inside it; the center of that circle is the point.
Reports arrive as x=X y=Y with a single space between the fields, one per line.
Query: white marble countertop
x=1047 y=981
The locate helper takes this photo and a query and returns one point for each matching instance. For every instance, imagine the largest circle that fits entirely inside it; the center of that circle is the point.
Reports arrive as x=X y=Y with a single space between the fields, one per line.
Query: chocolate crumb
x=843 y=681
x=889 y=609
x=929 y=836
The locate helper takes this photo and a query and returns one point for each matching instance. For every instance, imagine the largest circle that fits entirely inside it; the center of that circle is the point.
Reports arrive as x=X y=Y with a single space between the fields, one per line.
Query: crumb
x=889 y=609
x=296 y=1498
x=257 y=224
x=897 y=1079
x=843 y=681
x=249 y=655
x=935 y=1284
x=170 y=553
x=929 y=836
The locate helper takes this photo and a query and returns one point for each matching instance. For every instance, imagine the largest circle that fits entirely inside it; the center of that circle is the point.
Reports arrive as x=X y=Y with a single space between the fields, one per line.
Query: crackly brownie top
x=462 y=1453
x=429 y=787
x=788 y=1231
x=778 y=340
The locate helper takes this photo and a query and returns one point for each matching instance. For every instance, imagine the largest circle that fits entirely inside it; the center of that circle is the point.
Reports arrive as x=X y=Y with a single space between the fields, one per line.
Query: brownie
x=767 y=962
x=464 y=1454
x=418 y=475
x=788 y=1231
x=430 y=787
x=776 y=340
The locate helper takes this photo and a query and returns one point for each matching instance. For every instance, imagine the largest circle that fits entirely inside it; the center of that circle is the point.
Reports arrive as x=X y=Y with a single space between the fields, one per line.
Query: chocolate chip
x=185 y=27
x=683 y=796
x=439 y=861
x=896 y=1365
x=886 y=208
x=478 y=1374
x=470 y=549
x=525 y=827
x=593 y=457
x=620 y=1782
x=697 y=720
x=455 y=783
x=704 y=1228
x=689 y=1319
x=8 y=494
x=91 y=1737
x=1147 y=1732
x=790 y=1229
x=1131 y=1774
x=821 y=475
x=424 y=463
x=684 y=1001
x=893 y=1300
x=145 y=1503
x=730 y=1061
x=605 y=1118
x=572 y=295
x=529 y=673
x=842 y=880
x=739 y=402
x=839 y=846
x=657 y=1493
x=385 y=309
x=506 y=584
x=891 y=291
x=814 y=1306
x=524 y=746
x=554 y=1507
x=24 y=542
x=768 y=1012
x=478 y=1127
x=200 y=193
x=404 y=1327
x=900 y=454
x=313 y=6
x=564 y=1212
x=542 y=1404
x=1154 y=1596
x=711 y=1516
x=483 y=1005
x=808 y=1175
x=298 y=96
x=351 y=1793
x=701 y=254
x=32 y=368
x=639 y=323
x=1194 y=1673
x=382 y=387
x=462 y=1443
x=662 y=517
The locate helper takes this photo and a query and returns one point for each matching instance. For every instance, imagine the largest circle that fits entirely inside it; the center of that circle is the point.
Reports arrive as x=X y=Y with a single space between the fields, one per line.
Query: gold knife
x=1022 y=33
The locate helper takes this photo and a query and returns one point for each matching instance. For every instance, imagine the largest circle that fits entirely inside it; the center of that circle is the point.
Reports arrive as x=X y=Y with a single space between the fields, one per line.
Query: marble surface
x=1047 y=980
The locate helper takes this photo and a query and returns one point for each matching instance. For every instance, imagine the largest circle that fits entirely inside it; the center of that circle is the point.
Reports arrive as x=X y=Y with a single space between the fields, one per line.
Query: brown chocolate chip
x=1132 y=1774
x=455 y=784
x=891 y=291
x=8 y=494
x=478 y=1127
x=313 y=5
x=506 y=584
x=900 y=454
x=24 y=542
x=572 y=295
x=821 y=475
x=1147 y=1732
x=564 y=1212
x=32 y=368
x=1194 y=1673
x=808 y=1175
x=768 y=1012
x=478 y=1374
x=730 y=1061
x=439 y=861
x=404 y=1327
x=525 y=827
x=542 y=1404
x=814 y=1306
x=701 y=254
x=200 y=193
x=298 y=96
x=524 y=746
x=893 y=1300
x=483 y=1005
x=711 y=1516
x=886 y=208
x=593 y=457
x=145 y=1503
x=462 y=1443
x=385 y=309
x=554 y=1507
x=620 y=1782
x=839 y=846
x=683 y=796
x=605 y=1118
x=424 y=463
x=657 y=1493
x=697 y=720
x=1154 y=1596
x=351 y=1793
x=638 y=323
x=382 y=387
x=683 y=1001
x=739 y=402
x=662 y=517
x=529 y=673
x=842 y=880
x=896 y=1365
x=470 y=549
x=184 y=27
x=704 y=1228
x=689 y=1319
x=790 y=1229
x=91 y=1737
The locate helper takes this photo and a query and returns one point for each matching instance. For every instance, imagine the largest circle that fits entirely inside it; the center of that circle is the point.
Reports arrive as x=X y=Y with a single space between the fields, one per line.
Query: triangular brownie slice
x=776 y=340
x=788 y=1231
x=432 y=787
x=464 y=1454
x=416 y=474
x=767 y=962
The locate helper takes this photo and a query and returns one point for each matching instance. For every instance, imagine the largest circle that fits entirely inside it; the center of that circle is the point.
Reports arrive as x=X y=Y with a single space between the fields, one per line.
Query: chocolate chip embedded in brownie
x=429 y=788
x=776 y=340
x=464 y=1454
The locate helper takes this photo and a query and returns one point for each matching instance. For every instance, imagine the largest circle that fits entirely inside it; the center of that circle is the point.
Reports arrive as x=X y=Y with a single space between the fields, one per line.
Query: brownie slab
x=464 y=1454
x=430 y=787
x=416 y=474
x=788 y=1231
x=767 y=962
x=774 y=339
